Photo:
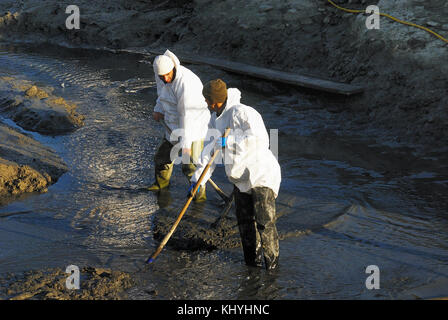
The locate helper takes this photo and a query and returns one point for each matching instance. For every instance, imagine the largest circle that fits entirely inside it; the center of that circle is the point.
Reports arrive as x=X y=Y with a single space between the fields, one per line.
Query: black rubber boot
x=250 y=238
x=265 y=216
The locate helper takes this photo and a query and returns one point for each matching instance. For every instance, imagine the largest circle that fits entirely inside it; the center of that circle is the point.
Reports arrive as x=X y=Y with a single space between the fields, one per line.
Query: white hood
x=173 y=57
x=233 y=97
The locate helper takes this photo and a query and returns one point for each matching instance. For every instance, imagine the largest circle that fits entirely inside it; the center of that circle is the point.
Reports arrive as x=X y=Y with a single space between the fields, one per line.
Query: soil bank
x=402 y=68
x=26 y=165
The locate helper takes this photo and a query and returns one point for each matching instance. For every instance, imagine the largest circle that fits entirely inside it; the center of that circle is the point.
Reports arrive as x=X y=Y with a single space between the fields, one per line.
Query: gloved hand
x=223 y=142
x=190 y=190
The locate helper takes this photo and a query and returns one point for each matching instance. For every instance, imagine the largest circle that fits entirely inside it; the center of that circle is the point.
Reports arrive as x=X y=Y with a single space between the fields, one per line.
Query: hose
x=392 y=18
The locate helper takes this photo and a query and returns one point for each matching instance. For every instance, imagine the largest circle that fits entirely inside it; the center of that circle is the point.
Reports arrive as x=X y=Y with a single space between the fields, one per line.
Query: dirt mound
x=196 y=234
x=15 y=179
x=37 y=109
x=25 y=165
x=95 y=284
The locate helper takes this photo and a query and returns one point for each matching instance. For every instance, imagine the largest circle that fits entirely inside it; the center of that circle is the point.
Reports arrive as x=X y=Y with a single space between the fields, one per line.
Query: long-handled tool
x=184 y=209
x=224 y=212
x=221 y=193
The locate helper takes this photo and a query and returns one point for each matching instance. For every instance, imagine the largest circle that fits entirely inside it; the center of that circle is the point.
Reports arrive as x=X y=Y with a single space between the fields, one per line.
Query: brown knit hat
x=215 y=91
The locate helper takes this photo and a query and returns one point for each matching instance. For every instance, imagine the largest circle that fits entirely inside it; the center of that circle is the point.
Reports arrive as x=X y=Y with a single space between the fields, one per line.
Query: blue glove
x=190 y=190
x=223 y=142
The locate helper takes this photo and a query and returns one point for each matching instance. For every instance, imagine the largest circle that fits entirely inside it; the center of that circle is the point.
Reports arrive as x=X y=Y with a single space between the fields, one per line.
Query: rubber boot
x=163 y=166
x=162 y=178
x=201 y=195
x=265 y=216
x=250 y=238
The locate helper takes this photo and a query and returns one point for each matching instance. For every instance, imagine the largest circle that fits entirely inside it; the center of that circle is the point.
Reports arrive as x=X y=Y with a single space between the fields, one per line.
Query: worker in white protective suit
x=250 y=166
x=181 y=104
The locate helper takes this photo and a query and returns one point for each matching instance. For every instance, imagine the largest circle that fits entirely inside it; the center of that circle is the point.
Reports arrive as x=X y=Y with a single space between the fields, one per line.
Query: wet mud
x=95 y=284
x=26 y=165
x=37 y=109
x=210 y=232
x=196 y=233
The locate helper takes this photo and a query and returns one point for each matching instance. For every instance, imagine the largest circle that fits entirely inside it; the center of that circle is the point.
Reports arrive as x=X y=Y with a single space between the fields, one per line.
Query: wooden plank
x=273 y=75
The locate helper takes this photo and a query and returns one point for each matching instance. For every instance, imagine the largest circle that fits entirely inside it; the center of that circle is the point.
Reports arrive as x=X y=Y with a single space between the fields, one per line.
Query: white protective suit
x=183 y=104
x=248 y=161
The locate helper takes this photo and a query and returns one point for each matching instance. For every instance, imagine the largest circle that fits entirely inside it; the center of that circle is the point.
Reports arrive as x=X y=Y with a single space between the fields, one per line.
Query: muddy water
x=345 y=202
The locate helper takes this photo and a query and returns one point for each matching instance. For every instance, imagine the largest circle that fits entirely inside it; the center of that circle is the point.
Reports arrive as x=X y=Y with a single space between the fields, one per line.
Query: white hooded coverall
x=249 y=162
x=253 y=169
x=182 y=104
